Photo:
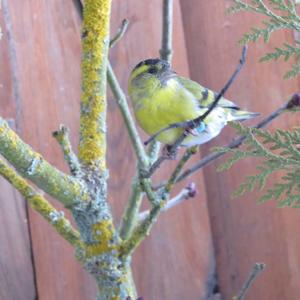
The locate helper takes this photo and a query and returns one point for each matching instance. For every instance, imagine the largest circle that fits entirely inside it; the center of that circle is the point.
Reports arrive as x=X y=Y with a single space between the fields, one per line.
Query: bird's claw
x=169 y=152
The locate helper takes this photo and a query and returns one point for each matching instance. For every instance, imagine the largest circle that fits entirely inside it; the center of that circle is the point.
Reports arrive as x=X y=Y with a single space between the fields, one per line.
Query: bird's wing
x=204 y=95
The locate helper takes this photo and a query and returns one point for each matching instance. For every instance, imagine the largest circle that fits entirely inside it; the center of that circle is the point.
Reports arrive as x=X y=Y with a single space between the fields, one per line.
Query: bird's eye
x=152 y=70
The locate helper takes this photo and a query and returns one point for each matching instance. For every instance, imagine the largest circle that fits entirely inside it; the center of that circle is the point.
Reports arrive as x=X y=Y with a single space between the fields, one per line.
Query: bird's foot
x=169 y=152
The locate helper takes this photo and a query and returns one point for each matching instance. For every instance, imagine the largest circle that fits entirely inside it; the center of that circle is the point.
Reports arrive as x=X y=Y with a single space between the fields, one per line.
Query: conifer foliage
x=281 y=14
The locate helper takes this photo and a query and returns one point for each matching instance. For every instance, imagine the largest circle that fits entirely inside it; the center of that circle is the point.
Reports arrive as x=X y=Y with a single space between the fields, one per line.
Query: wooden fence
x=207 y=245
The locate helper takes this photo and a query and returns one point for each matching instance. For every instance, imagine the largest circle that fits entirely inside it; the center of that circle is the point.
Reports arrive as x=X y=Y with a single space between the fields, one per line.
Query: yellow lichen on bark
x=95 y=42
x=103 y=234
x=41 y=205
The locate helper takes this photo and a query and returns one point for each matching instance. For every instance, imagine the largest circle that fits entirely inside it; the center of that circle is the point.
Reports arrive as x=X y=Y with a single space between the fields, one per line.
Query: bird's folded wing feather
x=204 y=95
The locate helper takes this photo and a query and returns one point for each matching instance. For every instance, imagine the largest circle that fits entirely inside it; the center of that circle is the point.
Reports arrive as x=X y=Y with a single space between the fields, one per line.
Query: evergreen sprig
x=281 y=14
x=279 y=151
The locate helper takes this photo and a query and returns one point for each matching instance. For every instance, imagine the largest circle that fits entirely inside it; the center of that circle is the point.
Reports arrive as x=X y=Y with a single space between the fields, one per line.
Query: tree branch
x=166 y=43
x=95 y=44
x=185 y=194
x=141 y=231
x=186 y=156
x=32 y=165
x=62 y=137
x=130 y=216
x=41 y=205
x=122 y=30
x=257 y=269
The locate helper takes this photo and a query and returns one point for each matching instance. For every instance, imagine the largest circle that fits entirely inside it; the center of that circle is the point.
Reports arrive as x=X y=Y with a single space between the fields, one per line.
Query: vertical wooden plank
x=243 y=231
x=176 y=261
x=16 y=271
x=47 y=46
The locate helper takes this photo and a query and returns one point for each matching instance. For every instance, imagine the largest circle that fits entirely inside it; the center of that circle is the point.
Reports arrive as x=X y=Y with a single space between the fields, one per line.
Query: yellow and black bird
x=160 y=97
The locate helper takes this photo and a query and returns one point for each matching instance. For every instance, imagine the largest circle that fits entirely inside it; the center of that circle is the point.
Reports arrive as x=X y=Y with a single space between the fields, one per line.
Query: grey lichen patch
x=111 y=275
x=102 y=120
x=86 y=214
x=85 y=107
x=55 y=216
x=33 y=167
x=106 y=265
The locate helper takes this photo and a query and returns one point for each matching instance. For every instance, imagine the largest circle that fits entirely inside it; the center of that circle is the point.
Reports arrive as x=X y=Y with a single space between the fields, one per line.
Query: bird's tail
x=241 y=115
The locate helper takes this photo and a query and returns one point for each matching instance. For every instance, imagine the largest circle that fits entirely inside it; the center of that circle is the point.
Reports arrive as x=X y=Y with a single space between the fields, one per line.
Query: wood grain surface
x=243 y=231
x=16 y=270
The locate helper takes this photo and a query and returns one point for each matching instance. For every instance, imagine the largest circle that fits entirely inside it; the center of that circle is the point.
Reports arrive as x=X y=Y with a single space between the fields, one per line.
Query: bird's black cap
x=151 y=62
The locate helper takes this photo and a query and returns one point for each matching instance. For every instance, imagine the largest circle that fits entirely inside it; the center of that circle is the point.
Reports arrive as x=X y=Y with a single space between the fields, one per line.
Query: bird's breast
x=166 y=105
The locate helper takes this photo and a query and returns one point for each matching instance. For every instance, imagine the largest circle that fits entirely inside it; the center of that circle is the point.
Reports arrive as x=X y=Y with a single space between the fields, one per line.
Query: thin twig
x=153 y=151
x=147 y=188
x=166 y=43
x=185 y=194
x=130 y=216
x=141 y=231
x=127 y=117
x=62 y=137
x=121 y=31
x=188 y=125
x=186 y=156
x=155 y=166
x=257 y=269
